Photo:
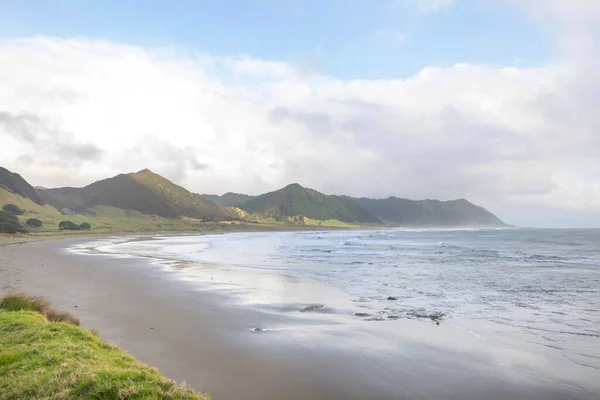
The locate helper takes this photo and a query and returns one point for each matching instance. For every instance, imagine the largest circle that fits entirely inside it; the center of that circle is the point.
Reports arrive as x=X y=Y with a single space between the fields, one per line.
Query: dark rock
x=436 y=316
x=362 y=314
x=312 y=308
x=258 y=329
x=392 y=298
x=393 y=317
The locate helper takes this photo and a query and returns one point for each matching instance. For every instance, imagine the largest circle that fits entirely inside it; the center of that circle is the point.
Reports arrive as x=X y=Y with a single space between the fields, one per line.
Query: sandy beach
x=207 y=339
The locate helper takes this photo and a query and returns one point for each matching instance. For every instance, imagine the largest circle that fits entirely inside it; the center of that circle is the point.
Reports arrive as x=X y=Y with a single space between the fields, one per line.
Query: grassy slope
x=102 y=218
x=295 y=200
x=429 y=212
x=143 y=191
x=229 y=199
x=16 y=184
x=56 y=360
x=107 y=219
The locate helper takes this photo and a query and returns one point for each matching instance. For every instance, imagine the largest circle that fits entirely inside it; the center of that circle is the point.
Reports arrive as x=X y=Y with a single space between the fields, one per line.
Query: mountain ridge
x=142 y=191
x=16 y=184
x=151 y=194
x=296 y=200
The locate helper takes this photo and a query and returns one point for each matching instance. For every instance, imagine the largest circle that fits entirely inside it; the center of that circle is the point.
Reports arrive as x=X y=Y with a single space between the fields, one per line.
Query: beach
x=202 y=334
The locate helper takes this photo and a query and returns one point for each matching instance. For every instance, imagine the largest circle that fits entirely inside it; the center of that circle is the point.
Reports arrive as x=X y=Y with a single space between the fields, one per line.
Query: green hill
x=229 y=199
x=143 y=191
x=146 y=201
x=433 y=213
x=295 y=200
x=14 y=183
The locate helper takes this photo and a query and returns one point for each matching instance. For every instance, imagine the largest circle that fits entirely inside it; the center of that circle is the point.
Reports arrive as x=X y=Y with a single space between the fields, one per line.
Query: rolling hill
x=145 y=196
x=430 y=213
x=229 y=199
x=295 y=200
x=143 y=191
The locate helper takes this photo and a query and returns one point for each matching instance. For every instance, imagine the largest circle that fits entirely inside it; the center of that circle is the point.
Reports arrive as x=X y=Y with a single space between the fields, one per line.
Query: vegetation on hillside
x=40 y=358
x=432 y=213
x=229 y=199
x=9 y=223
x=11 y=208
x=34 y=223
x=143 y=191
x=295 y=200
x=145 y=201
x=85 y=226
x=68 y=226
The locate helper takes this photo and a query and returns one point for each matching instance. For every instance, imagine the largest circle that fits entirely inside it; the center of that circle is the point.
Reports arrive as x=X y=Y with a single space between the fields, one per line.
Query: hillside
x=143 y=191
x=14 y=183
x=229 y=199
x=147 y=201
x=295 y=200
x=433 y=213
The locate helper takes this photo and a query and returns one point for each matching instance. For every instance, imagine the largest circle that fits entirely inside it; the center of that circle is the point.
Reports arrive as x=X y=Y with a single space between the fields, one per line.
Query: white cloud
x=499 y=136
x=573 y=24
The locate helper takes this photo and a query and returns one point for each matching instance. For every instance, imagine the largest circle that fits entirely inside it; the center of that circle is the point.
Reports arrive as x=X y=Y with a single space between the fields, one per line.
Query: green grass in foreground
x=40 y=359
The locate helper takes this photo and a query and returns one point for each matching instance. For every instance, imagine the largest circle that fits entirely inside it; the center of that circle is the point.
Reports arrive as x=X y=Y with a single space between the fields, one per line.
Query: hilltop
x=429 y=213
x=295 y=200
x=229 y=199
x=143 y=191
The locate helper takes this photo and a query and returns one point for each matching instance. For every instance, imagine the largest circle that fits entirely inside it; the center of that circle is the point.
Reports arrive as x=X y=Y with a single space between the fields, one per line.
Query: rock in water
x=392 y=298
x=312 y=308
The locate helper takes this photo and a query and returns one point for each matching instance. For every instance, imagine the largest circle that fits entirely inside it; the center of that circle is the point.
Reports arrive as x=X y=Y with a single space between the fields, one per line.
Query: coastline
x=203 y=337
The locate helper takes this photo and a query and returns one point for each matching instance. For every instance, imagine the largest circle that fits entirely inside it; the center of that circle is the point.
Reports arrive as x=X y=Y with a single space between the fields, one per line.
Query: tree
x=68 y=226
x=9 y=223
x=34 y=223
x=85 y=226
x=12 y=209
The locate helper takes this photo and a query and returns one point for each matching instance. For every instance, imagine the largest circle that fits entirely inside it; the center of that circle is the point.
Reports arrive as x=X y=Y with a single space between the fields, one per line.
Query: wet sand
x=205 y=338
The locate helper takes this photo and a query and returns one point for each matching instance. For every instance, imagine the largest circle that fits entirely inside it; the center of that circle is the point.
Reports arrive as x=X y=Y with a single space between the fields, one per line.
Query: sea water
x=538 y=289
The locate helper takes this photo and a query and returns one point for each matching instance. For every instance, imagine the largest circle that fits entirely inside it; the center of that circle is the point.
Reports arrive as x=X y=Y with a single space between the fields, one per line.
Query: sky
x=491 y=100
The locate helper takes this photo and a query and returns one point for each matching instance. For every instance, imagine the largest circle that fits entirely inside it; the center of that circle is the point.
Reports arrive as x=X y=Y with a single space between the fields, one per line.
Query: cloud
x=315 y=122
x=502 y=137
x=573 y=25
x=44 y=141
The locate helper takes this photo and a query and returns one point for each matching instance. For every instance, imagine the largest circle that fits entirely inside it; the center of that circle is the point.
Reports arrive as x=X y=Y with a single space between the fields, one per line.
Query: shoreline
x=201 y=336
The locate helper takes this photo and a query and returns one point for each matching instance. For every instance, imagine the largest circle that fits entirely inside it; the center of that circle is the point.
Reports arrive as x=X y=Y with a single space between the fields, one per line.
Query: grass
x=109 y=220
x=44 y=358
x=21 y=302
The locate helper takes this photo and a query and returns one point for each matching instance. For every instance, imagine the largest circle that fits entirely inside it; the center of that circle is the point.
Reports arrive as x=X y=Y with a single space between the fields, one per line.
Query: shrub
x=12 y=209
x=22 y=302
x=60 y=316
x=85 y=226
x=68 y=226
x=9 y=223
x=34 y=223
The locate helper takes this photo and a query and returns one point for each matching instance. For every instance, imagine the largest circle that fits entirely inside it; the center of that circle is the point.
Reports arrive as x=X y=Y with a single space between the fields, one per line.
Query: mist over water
x=534 y=289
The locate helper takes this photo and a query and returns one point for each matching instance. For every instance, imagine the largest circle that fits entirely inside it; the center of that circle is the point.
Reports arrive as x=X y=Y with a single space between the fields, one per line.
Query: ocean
x=531 y=290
